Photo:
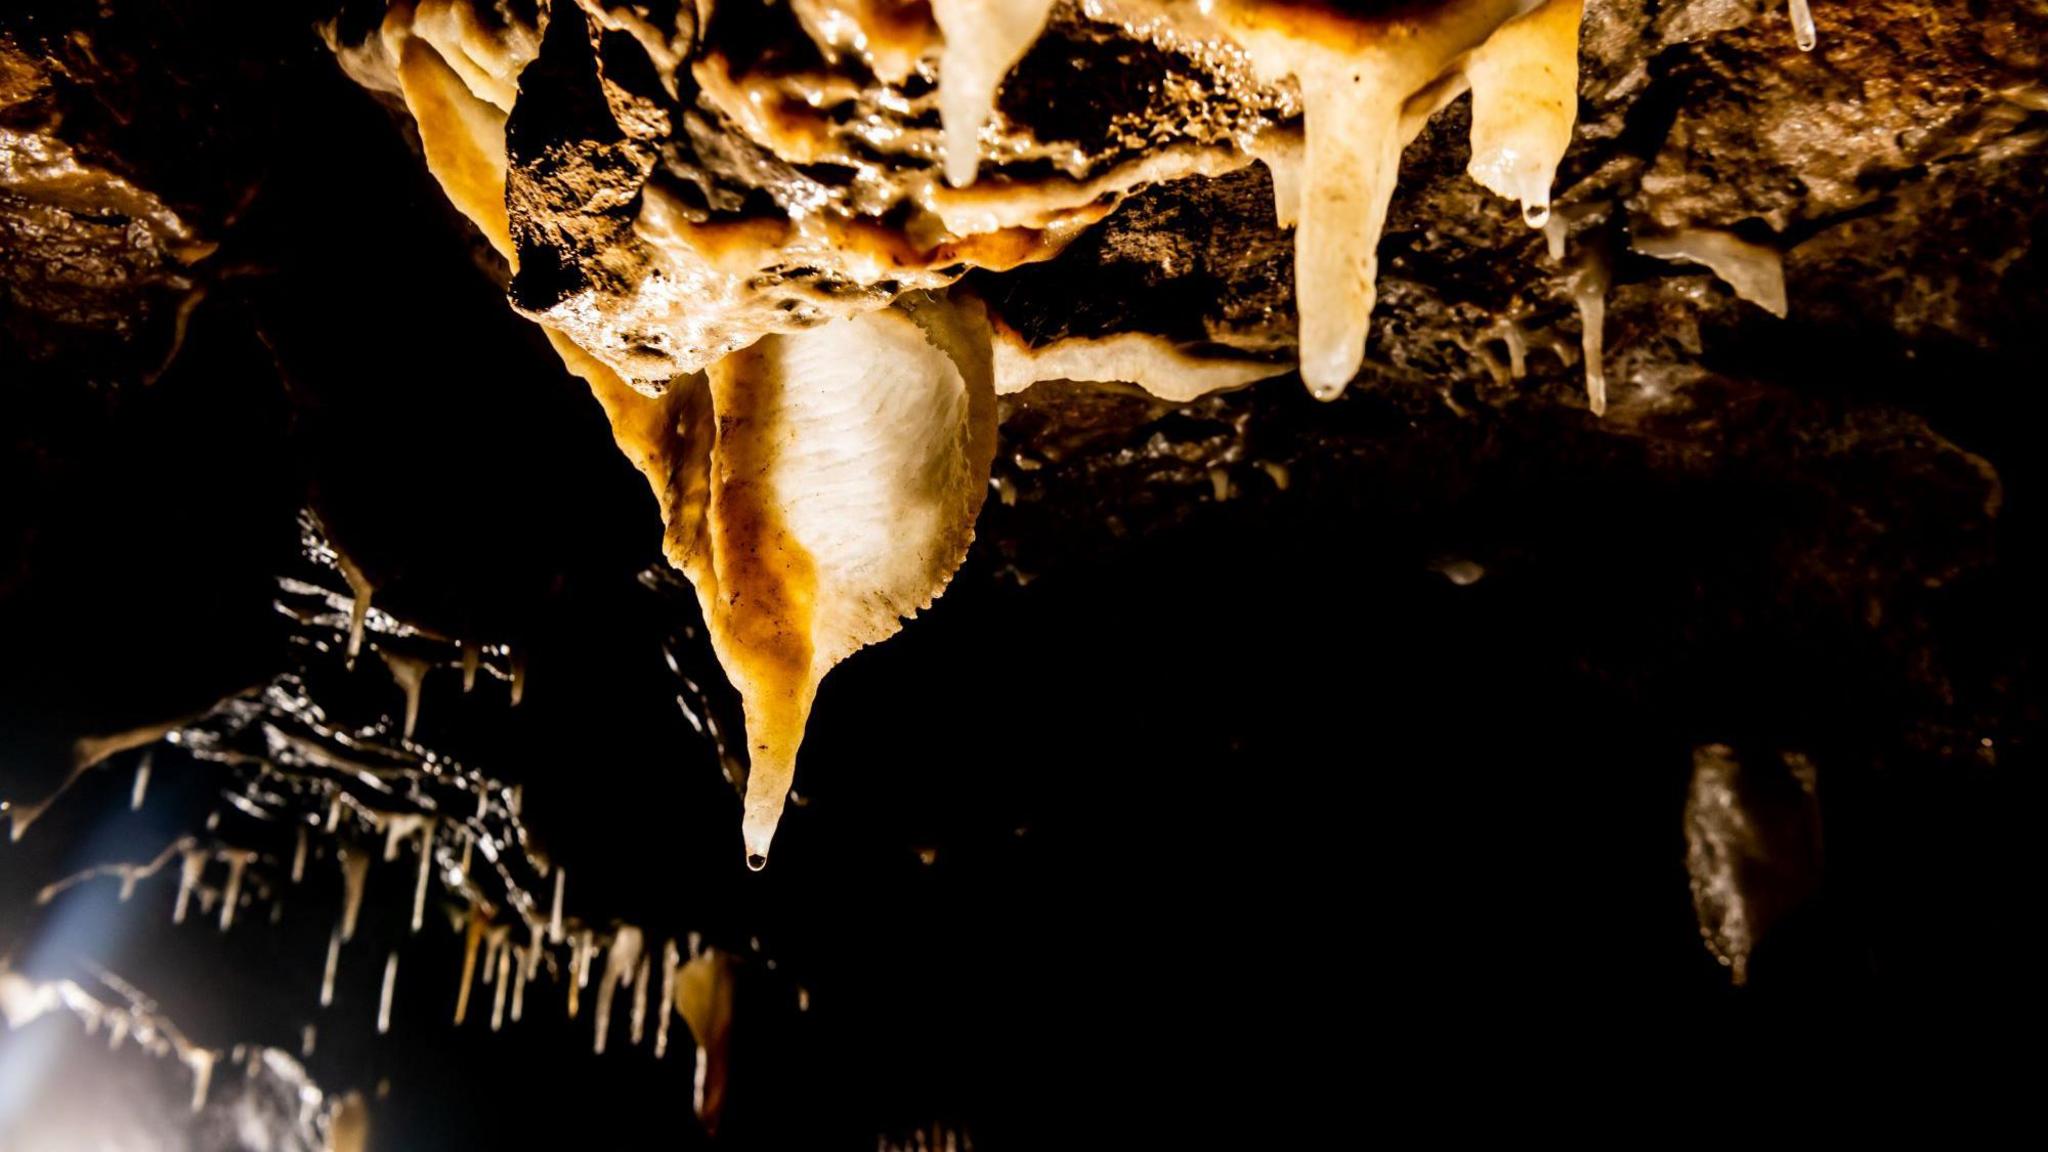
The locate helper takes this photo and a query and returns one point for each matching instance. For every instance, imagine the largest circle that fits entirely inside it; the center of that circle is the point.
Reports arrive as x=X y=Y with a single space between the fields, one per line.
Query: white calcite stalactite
x=410 y=673
x=473 y=927
x=1803 y=32
x=494 y=946
x=1352 y=160
x=359 y=606
x=504 y=978
x=333 y=965
x=426 y=869
x=523 y=971
x=200 y=1061
x=384 y=997
x=1556 y=231
x=1516 y=342
x=671 y=959
x=846 y=472
x=984 y=40
x=581 y=950
x=639 y=1016
x=231 y=893
x=619 y=963
x=1589 y=293
x=1525 y=99
x=1281 y=153
x=355 y=873
x=1367 y=85
x=397 y=827
x=141 y=789
x=190 y=869
x=555 y=911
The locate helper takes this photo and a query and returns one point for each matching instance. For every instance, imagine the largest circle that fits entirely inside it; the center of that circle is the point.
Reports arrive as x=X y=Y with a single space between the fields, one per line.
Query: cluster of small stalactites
x=315 y=809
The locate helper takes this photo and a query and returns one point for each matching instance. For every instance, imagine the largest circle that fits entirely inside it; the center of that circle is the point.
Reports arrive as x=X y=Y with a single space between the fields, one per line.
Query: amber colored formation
x=675 y=193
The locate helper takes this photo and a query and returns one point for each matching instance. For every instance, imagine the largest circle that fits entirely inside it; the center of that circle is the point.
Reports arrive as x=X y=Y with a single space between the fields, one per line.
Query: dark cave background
x=1243 y=819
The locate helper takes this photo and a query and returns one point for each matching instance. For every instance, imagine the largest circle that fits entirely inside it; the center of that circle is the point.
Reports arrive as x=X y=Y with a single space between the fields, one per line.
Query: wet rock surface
x=1246 y=717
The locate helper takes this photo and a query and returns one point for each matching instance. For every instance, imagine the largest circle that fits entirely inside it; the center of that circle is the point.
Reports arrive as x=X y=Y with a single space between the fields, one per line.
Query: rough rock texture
x=120 y=173
x=820 y=179
x=1501 y=636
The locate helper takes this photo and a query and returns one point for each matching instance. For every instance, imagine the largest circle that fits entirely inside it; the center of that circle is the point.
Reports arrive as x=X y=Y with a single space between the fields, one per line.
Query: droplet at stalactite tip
x=1803 y=32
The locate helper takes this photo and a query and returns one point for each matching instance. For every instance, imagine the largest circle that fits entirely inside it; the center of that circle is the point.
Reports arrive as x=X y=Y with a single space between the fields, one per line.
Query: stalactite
x=384 y=997
x=355 y=872
x=619 y=963
x=1803 y=32
x=333 y=964
x=231 y=894
x=984 y=40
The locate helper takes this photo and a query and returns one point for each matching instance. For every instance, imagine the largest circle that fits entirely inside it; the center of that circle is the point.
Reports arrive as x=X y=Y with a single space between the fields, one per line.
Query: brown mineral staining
x=818 y=409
